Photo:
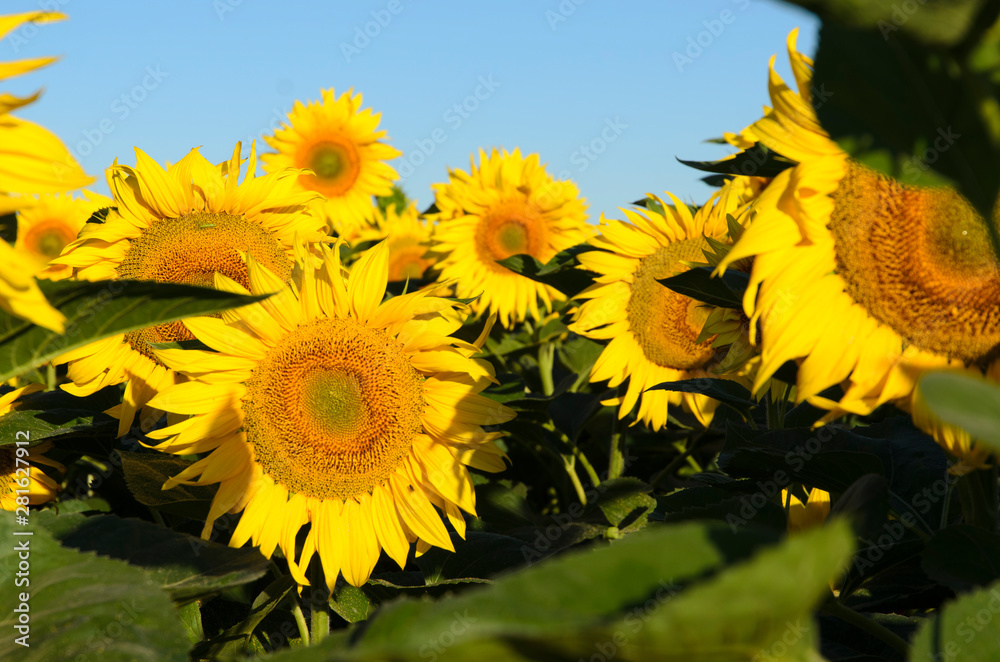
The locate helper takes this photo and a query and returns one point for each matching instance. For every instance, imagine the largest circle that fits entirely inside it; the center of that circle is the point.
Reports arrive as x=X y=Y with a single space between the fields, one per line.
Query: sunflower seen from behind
x=653 y=332
x=324 y=405
x=507 y=205
x=856 y=276
x=180 y=225
x=343 y=147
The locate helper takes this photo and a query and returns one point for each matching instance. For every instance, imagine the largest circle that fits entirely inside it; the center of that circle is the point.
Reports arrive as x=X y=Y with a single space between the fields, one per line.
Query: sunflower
x=324 y=405
x=855 y=275
x=19 y=292
x=408 y=238
x=32 y=160
x=18 y=481
x=654 y=331
x=507 y=206
x=181 y=225
x=342 y=147
x=51 y=223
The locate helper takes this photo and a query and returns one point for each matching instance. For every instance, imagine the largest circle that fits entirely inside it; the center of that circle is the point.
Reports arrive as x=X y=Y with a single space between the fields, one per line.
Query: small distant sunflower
x=408 y=238
x=32 y=160
x=35 y=485
x=19 y=292
x=323 y=405
x=53 y=222
x=506 y=206
x=654 y=331
x=181 y=225
x=813 y=512
x=340 y=143
x=856 y=275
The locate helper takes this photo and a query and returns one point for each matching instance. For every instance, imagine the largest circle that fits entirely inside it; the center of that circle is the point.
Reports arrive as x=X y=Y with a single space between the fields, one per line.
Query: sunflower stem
x=50 y=376
x=569 y=461
x=320 y=625
x=588 y=467
x=677 y=461
x=546 y=356
x=616 y=460
x=862 y=622
x=296 y=609
x=977 y=490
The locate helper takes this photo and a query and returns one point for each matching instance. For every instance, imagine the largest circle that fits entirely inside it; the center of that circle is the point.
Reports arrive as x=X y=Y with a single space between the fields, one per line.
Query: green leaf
x=96 y=310
x=82 y=606
x=351 y=603
x=235 y=640
x=50 y=414
x=758 y=161
x=963 y=630
x=185 y=567
x=725 y=391
x=937 y=22
x=559 y=272
x=971 y=403
x=963 y=557
x=725 y=291
x=757 y=608
x=145 y=474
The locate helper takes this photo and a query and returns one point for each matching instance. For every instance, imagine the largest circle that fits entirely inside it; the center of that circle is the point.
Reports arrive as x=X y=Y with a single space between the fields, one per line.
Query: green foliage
x=967 y=402
x=98 y=309
x=964 y=630
x=99 y=607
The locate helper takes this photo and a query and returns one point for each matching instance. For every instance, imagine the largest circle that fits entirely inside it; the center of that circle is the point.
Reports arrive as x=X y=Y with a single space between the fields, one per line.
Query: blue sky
x=608 y=93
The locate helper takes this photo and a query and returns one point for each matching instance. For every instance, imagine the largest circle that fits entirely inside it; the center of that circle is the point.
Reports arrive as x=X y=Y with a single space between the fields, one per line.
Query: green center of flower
x=513 y=237
x=664 y=323
x=334 y=402
x=336 y=166
x=328 y=161
x=333 y=408
x=48 y=238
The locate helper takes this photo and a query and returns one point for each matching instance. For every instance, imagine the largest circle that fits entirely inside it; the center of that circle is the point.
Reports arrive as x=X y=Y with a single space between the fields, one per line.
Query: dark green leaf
x=235 y=640
x=937 y=22
x=145 y=474
x=81 y=606
x=725 y=391
x=725 y=291
x=351 y=603
x=758 y=161
x=96 y=310
x=184 y=566
x=963 y=557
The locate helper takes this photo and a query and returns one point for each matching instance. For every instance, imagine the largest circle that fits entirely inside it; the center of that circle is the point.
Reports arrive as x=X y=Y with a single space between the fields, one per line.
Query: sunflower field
x=270 y=408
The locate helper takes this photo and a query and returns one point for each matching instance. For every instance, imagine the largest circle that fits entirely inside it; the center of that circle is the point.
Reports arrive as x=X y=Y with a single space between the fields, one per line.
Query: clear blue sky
x=552 y=77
